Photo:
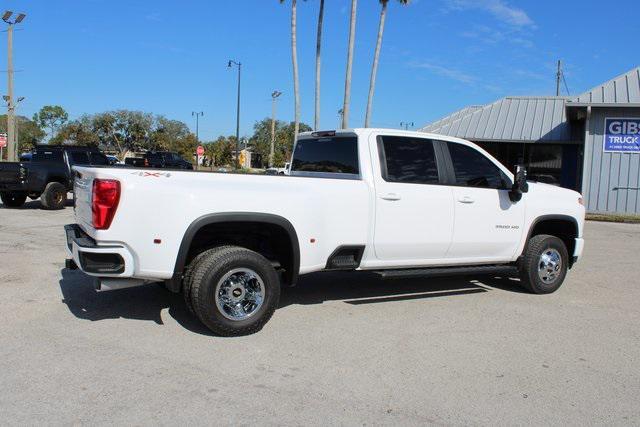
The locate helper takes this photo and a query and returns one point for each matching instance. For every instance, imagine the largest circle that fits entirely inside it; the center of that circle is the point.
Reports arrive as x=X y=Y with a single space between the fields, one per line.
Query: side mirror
x=520 y=185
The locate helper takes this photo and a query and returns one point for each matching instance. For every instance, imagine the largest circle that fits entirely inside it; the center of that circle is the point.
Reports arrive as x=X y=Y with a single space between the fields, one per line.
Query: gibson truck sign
x=622 y=135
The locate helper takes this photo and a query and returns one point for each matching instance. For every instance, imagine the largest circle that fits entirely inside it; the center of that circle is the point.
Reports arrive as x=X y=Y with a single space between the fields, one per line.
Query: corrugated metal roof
x=526 y=119
x=624 y=89
x=454 y=116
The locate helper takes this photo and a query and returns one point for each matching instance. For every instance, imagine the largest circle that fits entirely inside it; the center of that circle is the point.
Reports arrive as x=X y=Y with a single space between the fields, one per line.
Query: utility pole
x=406 y=125
x=239 y=65
x=340 y=117
x=558 y=77
x=274 y=97
x=11 y=130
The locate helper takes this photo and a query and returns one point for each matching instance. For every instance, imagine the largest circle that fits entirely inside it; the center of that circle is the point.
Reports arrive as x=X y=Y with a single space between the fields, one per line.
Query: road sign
x=3 y=140
x=200 y=150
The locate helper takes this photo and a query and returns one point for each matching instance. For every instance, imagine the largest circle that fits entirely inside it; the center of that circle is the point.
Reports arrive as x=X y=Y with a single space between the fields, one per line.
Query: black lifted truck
x=48 y=175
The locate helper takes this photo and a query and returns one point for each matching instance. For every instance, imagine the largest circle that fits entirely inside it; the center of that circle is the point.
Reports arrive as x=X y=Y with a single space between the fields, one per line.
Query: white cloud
x=443 y=71
x=500 y=9
x=490 y=35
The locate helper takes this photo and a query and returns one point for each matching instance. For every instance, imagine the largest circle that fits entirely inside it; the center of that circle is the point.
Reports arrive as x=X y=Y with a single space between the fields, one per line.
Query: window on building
x=328 y=155
x=473 y=169
x=408 y=160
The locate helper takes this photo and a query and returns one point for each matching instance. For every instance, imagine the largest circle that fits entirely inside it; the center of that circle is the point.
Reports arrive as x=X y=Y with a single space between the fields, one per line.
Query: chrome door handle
x=390 y=196
x=466 y=199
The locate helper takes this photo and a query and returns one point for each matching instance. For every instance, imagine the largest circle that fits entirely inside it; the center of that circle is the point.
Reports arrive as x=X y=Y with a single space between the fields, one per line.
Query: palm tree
x=376 y=58
x=347 y=80
x=316 y=122
x=294 y=60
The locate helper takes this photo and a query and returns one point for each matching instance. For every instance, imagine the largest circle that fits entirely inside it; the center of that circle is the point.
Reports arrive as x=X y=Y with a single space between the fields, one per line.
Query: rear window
x=327 y=155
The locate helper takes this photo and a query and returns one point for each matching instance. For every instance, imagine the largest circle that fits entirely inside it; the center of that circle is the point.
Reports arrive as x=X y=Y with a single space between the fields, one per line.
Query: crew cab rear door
x=414 y=211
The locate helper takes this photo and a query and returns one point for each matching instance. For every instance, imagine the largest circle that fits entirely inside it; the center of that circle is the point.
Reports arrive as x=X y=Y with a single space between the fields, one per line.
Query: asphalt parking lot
x=343 y=348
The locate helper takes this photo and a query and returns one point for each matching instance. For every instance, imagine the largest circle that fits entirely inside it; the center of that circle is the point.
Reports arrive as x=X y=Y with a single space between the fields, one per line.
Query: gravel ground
x=345 y=349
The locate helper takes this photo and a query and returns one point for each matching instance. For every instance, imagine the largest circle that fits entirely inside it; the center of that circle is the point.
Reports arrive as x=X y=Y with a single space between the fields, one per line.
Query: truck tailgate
x=9 y=173
x=82 y=192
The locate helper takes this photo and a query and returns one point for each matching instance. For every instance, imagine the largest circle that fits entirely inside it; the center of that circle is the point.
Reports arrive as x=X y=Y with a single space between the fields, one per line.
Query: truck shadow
x=147 y=302
x=359 y=288
x=35 y=205
x=140 y=303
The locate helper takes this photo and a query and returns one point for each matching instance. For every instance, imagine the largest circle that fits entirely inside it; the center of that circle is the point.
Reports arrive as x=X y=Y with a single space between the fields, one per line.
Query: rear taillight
x=106 y=195
x=146 y=162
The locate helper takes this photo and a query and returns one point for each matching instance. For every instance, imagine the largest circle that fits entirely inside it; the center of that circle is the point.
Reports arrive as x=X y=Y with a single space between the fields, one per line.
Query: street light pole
x=406 y=125
x=274 y=97
x=197 y=115
x=11 y=130
x=239 y=65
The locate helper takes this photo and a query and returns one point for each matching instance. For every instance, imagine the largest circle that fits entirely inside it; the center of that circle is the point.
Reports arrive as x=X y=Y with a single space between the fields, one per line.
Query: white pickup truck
x=398 y=203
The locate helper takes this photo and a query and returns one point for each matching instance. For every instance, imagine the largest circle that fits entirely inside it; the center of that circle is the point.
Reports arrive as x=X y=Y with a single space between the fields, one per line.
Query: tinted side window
x=473 y=169
x=410 y=160
x=98 y=159
x=79 y=157
x=330 y=155
x=43 y=155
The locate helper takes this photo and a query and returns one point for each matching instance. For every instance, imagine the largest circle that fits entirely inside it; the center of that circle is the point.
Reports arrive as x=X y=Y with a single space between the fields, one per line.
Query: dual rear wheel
x=232 y=290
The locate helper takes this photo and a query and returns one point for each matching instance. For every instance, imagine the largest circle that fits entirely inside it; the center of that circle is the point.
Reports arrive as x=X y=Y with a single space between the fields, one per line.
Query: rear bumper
x=95 y=259
x=14 y=187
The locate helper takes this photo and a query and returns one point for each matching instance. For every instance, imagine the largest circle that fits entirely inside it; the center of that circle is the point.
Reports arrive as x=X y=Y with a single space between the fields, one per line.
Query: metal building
x=590 y=143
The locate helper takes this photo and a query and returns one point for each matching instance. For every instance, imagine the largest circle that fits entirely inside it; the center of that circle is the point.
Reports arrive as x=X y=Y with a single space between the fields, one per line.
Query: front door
x=414 y=212
x=488 y=225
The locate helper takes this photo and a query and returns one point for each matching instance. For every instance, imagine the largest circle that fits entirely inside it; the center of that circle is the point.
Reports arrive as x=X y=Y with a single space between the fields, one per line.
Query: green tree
x=376 y=58
x=260 y=141
x=168 y=134
x=51 y=117
x=77 y=132
x=347 y=80
x=221 y=150
x=28 y=131
x=124 y=130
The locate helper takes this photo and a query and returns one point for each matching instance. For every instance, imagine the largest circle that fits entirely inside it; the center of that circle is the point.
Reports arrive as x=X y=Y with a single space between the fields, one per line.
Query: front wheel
x=13 y=200
x=545 y=264
x=232 y=290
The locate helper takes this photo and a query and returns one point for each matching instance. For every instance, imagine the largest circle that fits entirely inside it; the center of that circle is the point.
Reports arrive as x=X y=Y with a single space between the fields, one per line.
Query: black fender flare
x=542 y=218
x=175 y=283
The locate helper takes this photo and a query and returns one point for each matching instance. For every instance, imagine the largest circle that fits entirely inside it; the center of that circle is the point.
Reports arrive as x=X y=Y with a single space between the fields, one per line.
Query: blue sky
x=438 y=55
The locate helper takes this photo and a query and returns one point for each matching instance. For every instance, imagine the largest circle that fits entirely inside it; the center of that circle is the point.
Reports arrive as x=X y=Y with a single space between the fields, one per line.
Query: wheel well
x=58 y=179
x=270 y=240
x=564 y=229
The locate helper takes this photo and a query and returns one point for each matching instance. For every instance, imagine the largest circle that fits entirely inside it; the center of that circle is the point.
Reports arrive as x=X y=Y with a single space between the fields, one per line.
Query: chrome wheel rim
x=549 y=265
x=239 y=294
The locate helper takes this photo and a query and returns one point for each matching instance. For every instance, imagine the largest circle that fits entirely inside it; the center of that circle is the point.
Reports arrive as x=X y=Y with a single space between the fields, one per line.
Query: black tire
x=13 y=200
x=209 y=269
x=54 y=196
x=187 y=281
x=533 y=266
